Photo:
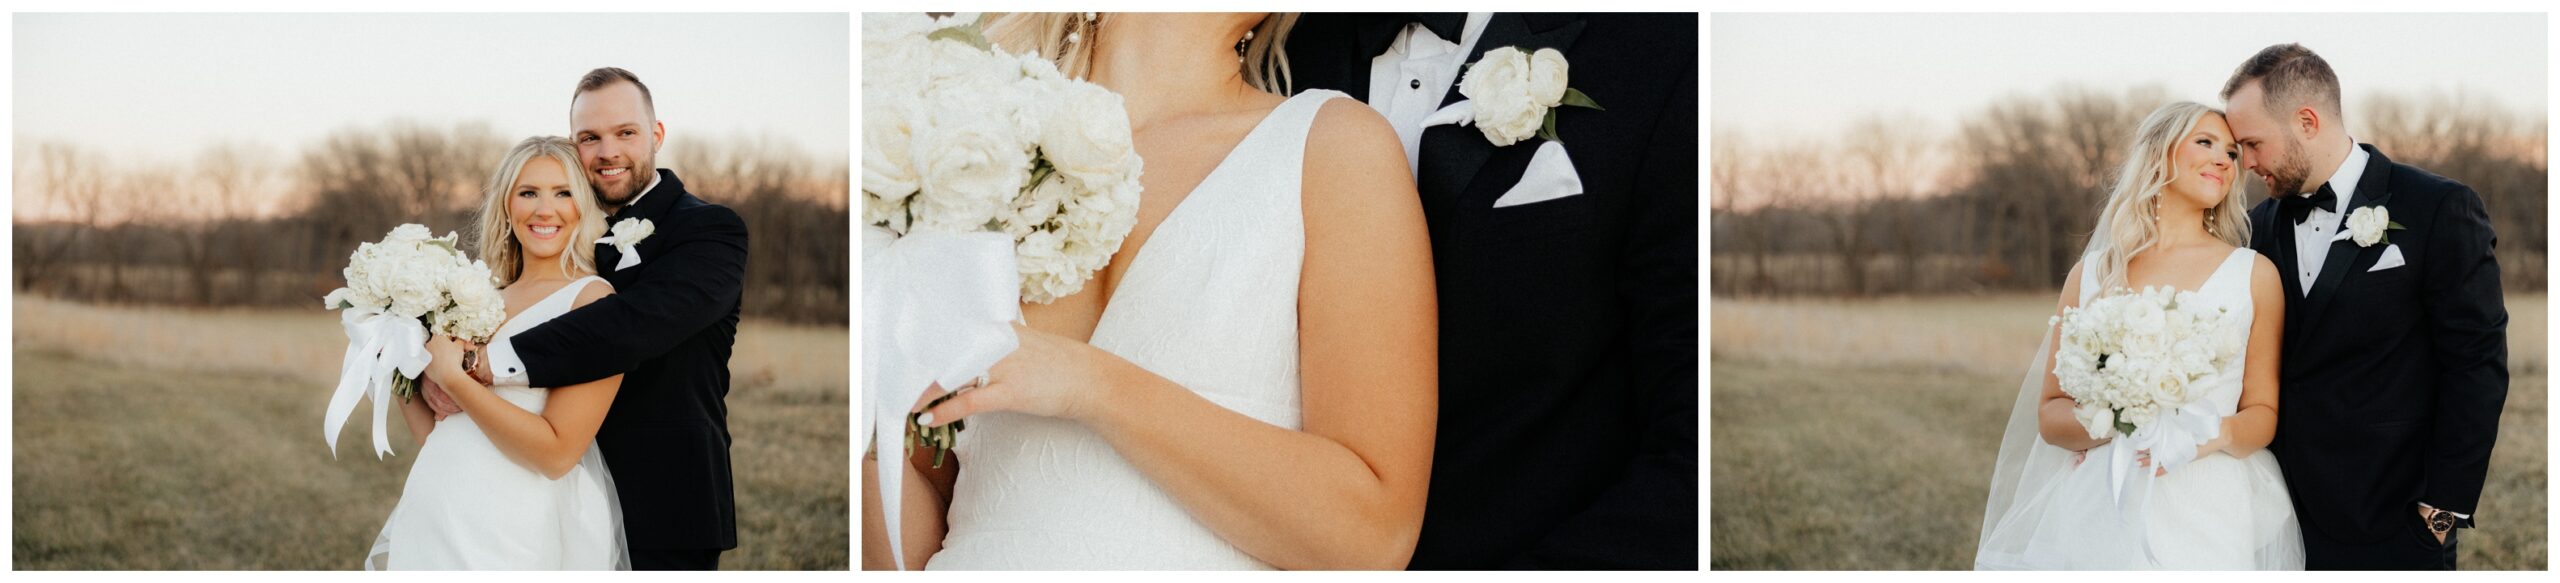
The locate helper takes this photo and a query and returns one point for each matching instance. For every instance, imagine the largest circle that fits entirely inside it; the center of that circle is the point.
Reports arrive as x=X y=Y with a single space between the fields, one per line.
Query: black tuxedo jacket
x=1568 y=430
x=2392 y=380
x=668 y=330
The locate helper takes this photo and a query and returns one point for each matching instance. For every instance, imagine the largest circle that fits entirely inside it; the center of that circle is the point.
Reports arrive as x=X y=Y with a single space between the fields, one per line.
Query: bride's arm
x=925 y=502
x=421 y=419
x=551 y=442
x=2254 y=425
x=1347 y=491
x=2054 y=420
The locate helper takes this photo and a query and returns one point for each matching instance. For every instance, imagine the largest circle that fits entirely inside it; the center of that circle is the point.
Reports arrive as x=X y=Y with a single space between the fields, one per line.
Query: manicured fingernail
x=925 y=419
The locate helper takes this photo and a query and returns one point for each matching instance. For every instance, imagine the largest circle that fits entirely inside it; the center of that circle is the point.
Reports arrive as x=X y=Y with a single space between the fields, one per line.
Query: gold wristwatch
x=2439 y=520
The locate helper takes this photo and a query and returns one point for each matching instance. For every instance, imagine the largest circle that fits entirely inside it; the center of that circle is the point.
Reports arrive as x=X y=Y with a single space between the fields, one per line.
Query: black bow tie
x=2299 y=207
x=1448 y=25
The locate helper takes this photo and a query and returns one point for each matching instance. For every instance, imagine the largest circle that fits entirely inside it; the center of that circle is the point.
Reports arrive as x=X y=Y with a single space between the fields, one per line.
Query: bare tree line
x=243 y=225
x=2007 y=200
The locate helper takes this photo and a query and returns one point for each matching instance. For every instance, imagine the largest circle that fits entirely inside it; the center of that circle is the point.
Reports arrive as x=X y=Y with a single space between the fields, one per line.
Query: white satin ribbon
x=2172 y=439
x=937 y=308
x=379 y=344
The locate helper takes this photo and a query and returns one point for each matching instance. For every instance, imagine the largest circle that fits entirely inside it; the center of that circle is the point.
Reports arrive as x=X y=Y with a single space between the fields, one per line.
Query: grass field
x=1860 y=434
x=154 y=438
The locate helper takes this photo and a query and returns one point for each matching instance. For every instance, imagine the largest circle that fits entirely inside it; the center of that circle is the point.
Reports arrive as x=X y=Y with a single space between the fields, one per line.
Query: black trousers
x=675 y=560
x=2410 y=548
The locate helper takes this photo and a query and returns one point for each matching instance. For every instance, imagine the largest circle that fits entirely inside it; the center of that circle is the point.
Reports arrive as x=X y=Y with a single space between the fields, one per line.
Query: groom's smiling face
x=618 y=137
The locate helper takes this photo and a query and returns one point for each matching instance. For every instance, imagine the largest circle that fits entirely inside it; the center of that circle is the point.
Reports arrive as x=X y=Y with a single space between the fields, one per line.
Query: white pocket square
x=2390 y=259
x=1550 y=176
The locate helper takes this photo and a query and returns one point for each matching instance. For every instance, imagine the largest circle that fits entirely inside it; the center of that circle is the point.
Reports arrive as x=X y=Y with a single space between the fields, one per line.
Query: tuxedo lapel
x=1451 y=154
x=652 y=207
x=2278 y=246
x=2345 y=257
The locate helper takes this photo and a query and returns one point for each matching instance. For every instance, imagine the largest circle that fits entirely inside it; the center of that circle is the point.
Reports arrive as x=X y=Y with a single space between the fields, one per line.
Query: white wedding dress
x=468 y=507
x=2214 y=513
x=1211 y=303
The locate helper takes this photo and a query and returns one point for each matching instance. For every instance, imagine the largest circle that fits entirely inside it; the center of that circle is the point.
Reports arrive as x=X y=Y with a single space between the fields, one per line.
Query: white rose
x=1498 y=86
x=970 y=166
x=1088 y=133
x=2367 y=224
x=1546 y=77
x=889 y=125
x=408 y=233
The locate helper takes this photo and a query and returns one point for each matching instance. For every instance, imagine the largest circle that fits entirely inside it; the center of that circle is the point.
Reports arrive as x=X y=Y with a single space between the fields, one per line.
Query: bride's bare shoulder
x=1348 y=139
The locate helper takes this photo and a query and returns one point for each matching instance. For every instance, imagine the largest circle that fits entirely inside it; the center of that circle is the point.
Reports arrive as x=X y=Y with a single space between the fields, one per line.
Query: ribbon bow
x=937 y=309
x=626 y=237
x=379 y=344
x=2171 y=439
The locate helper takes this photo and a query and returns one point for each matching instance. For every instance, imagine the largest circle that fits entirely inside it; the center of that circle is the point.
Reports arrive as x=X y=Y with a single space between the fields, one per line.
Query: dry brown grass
x=1859 y=434
x=160 y=438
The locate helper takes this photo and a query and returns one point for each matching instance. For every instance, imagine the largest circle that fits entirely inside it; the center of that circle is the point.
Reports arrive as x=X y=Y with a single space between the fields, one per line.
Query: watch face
x=2442 y=521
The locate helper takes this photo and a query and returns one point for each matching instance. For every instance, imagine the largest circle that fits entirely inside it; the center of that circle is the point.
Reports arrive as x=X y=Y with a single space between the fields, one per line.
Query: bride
x=2173 y=218
x=1250 y=383
x=514 y=482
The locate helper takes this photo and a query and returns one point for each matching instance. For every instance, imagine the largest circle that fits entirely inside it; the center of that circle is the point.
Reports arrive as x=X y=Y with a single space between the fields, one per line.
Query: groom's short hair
x=2289 y=76
x=603 y=76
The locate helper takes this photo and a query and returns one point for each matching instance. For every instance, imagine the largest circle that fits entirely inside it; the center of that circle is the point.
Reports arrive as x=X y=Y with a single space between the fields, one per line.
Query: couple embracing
x=1391 y=301
x=2354 y=429
x=591 y=432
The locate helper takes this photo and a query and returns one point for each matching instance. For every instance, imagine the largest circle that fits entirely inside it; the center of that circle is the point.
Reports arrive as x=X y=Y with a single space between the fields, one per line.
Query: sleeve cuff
x=504 y=366
x=2464 y=518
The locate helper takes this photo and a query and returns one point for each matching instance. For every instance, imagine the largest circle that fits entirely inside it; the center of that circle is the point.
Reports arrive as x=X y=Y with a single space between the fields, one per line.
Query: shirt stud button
x=1417 y=84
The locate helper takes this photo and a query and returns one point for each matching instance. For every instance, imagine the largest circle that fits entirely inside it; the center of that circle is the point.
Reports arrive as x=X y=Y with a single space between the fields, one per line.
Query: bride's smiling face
x=541 y=209
x=2202 y=163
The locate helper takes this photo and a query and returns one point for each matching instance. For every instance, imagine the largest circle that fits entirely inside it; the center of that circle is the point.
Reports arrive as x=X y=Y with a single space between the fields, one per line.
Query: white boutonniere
x=1512 y=95
x=626 y=237
x=2370 y=225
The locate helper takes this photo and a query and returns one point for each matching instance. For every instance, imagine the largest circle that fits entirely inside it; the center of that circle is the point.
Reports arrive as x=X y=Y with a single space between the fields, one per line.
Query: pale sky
x=1810 y=75
x=163 y=86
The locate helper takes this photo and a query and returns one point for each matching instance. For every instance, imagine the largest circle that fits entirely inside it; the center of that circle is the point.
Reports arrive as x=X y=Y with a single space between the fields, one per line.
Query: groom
x=2395 y=345
x=668 y=329
x=1568 y=283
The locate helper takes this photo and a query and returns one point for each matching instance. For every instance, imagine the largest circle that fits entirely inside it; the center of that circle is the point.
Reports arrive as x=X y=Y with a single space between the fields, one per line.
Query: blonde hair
x=497 y=239
x=1265 y=63
x=2129 y=222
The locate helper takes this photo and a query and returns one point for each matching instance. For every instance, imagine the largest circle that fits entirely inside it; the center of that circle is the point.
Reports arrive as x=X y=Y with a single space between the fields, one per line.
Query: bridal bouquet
x=2134 y=362
x=958 y=137
x=988 y=179
x=400 y=290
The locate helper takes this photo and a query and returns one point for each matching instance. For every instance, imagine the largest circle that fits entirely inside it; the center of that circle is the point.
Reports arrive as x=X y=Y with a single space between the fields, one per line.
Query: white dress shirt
x=504 y=365
x=2311 y=237
x=1409 y=81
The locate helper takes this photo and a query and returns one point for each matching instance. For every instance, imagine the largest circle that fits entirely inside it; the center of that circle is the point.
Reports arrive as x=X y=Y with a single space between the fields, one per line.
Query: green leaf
x=1547 y=129
x=1574 y=97
x=2395 y=226
x=966 y=33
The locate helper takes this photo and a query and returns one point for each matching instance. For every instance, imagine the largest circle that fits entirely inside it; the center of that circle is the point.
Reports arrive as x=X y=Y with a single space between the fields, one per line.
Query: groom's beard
x=636 y=177
x=2289 y=174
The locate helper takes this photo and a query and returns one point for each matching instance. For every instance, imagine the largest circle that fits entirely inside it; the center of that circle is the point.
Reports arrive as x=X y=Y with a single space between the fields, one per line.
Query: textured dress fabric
x=466 y=506
x=1211 y=303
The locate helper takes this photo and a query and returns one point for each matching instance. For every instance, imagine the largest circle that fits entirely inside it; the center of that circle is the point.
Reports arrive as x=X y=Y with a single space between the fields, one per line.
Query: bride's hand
x=445 y=356
x=1047 y=375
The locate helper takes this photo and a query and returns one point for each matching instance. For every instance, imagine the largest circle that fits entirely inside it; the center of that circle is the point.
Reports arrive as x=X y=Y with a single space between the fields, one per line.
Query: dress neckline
x=507 y=328
x=1139 y=258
